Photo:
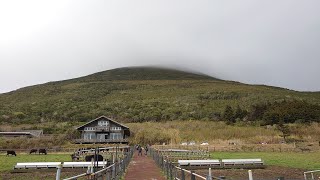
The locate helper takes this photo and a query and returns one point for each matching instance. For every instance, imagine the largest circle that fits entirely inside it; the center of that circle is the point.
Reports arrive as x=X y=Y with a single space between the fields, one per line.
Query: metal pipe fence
x=112 y=172
x=173 y=172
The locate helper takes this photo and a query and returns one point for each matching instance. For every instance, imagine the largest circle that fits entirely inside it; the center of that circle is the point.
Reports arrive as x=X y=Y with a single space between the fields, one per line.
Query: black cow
x=75 y=157
x=33 y=151
x=43 y=151
x=13 y=153
x=90 y=157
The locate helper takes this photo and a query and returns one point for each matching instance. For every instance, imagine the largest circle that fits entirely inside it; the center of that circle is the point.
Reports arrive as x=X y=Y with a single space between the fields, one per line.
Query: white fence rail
x=311 y=174
x=40 y=165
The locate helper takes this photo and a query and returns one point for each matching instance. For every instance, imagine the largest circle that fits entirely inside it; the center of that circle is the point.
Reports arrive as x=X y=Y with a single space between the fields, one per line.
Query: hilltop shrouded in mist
x=145 y=73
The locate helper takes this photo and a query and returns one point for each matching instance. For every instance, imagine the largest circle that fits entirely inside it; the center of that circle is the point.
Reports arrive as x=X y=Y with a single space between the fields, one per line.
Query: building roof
x=15 y=133
x=101 y=118
x=35 y=133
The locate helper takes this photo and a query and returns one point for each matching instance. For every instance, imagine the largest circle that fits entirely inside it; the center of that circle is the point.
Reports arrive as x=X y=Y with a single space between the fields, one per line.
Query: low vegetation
x=174 y=132
x=150 y=94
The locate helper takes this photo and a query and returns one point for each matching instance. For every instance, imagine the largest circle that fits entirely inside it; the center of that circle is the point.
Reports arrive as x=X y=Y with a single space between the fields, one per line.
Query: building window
x=103 y=123
x=116 y=128
x=102 y=136
x=89 y=128
x=115 y=136
x=89 y=136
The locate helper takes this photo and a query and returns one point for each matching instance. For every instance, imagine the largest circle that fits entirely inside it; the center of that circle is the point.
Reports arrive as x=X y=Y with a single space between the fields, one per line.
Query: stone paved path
x=143 y=168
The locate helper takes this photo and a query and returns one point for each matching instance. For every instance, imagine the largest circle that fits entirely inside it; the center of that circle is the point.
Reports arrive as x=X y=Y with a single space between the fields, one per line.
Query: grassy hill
x=139 y=94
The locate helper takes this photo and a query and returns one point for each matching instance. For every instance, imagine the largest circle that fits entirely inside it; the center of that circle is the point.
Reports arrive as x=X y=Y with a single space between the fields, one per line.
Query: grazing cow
x=43 y=151
x=90 y=157
x=13 y=153
x=75 y=157
x=33 y=151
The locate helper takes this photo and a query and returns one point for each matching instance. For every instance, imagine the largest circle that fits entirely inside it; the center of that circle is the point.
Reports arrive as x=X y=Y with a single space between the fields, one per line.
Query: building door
x=102 y=137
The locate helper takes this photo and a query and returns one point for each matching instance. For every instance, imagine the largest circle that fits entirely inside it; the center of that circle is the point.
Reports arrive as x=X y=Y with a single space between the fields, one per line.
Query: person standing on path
x=140 y=151
x=146 y=149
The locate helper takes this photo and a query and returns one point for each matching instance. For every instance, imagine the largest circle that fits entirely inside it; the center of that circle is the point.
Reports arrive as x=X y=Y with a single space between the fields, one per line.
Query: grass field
x=7 y=162
x=308 y=161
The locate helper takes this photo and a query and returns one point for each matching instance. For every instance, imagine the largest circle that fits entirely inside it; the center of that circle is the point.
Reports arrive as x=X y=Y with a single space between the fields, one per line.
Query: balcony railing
x=101 y=141
x=103 y=128
x=99 y=128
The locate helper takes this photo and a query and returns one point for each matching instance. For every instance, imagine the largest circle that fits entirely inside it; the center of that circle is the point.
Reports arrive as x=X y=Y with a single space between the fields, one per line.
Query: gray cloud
x=261 y=42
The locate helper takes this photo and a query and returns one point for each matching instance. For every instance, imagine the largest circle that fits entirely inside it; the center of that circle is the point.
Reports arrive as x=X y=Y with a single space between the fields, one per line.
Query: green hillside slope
x=139 y=94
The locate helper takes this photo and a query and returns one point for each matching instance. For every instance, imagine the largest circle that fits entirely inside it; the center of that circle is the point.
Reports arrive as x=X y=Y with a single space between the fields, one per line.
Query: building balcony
x=91 y=141
x=103 y=128
x=98 y=129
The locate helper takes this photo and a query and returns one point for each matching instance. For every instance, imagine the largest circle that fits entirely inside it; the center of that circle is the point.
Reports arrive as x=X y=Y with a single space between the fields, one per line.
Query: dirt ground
x=143 y=168
x=40 y=174
x=269 y=173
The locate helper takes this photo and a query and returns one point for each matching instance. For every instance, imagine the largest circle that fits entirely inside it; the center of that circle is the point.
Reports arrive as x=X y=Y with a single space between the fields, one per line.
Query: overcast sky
x=273 y=42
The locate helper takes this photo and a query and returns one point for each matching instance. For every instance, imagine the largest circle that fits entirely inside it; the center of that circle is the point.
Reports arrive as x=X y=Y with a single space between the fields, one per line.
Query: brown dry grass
x=176 y=132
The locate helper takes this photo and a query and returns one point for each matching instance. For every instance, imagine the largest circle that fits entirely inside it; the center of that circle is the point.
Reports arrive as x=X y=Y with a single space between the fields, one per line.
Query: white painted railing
x=311 y=173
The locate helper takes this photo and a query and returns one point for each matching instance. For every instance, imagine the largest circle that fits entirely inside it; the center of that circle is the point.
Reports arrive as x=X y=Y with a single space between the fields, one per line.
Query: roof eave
x=100 y=118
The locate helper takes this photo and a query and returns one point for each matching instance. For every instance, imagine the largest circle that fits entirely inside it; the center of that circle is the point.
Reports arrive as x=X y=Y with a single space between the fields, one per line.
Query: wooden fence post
x=193 y=177
x=170 y=171
x=167 y=169
x=182 y=175
x=113 y=171
x=108 y=174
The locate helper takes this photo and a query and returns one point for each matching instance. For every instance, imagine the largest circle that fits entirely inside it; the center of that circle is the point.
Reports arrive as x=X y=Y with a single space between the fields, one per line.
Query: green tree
x=228 y=115
x=240 y=113
x=284 y=129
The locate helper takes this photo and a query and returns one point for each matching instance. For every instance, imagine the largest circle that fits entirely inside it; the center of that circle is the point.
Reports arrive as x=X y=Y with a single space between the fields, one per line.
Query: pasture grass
x=8 y=162
x=308 y=161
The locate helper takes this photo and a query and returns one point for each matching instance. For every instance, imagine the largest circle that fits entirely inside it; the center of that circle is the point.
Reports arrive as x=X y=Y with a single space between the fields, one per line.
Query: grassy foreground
x=309 y=161
x=8 y=162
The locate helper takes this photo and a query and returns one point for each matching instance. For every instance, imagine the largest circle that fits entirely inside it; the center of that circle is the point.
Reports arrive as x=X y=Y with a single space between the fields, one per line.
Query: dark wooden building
x=103 y=130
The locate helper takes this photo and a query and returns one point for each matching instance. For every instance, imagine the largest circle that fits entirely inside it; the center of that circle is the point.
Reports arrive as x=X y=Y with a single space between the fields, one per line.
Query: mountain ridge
x=176 y=74
x=113 y=75
x=138 y=94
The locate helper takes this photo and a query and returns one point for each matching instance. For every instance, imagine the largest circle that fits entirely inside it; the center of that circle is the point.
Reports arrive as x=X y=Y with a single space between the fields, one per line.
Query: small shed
x=22 y=133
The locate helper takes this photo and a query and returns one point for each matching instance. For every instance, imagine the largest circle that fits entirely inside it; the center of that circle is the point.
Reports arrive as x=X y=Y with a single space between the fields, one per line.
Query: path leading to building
x=143 y=168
